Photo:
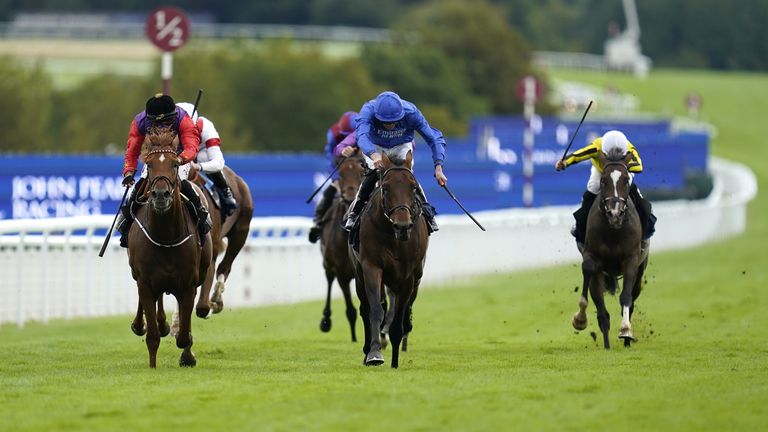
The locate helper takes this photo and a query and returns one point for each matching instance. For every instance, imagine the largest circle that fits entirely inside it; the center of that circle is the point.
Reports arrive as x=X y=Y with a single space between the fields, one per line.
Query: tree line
x=675 y=33
x=280 y=95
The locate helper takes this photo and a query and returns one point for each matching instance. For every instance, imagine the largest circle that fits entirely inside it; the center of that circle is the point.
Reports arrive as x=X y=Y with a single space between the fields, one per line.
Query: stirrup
x=350 y=221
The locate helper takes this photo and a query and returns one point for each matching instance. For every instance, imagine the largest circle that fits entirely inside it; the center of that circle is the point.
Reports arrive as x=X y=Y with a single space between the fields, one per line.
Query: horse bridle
x=622 y=200
x=154 y=181
x=388 y=213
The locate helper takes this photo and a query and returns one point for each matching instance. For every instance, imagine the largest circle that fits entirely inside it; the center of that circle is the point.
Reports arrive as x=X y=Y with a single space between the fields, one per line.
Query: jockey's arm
x=434 y=139
x=347 y=146
x=189 y=136
x=133 y=149
x=635 y=164
x=582 y=154
x=215 y=158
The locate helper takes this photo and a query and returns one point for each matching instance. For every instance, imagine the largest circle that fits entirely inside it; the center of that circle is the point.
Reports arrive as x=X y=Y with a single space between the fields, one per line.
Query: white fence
x=50 y=267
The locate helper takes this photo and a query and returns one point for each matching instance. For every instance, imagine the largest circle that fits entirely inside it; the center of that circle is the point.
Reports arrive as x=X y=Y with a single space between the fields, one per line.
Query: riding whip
x=109 y=233
x=462 y=207
x=197 y=102
x=577 y=130
x=326 y=180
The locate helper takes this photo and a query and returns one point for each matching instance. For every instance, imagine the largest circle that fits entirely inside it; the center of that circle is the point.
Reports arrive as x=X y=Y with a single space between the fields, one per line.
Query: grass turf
x=496 y=352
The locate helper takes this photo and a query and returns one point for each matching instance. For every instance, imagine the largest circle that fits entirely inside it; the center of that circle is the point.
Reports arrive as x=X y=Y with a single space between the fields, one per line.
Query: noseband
x=388 y=213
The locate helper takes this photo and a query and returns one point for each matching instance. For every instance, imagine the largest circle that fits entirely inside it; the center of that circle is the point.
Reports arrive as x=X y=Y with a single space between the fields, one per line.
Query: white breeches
x=183 y=172
x=397 y=153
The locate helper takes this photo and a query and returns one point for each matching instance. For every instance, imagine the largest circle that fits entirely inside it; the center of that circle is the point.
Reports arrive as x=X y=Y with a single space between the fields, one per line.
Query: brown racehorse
x=234 y=228
x=165 y=255
x=393 y=246
x=333 y=242
x=613 y=247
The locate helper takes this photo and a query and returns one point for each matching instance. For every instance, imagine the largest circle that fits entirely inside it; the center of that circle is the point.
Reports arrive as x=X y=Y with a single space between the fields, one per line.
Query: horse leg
x=236 y=239
x=603 y=317
x=638 y=285
x=364 y=309
x=137 y=325
x=401 y=305
x=351 y=310
x=162 y=323
x=184 y=338
x=408 y=315
x=630 y=276
x=148 y=302
x=203 y=307
x=372 y=289
x=389 y=315
x=579 y=320
x=325 y=322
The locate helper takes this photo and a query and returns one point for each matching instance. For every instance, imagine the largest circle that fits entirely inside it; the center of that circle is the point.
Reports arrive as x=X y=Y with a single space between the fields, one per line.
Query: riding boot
x=644 y=211
x=125 y=220
x=204 y=222
x=227 y=198
x=366 y=187
x=322 y=207
x=580 y=230
x=428 y=209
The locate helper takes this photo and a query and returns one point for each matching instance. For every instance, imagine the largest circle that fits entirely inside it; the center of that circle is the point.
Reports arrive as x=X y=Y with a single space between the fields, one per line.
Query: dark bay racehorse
x=333 y=242
x=165 y=254
x=613 y=247
x=234 y=228
x=393 y=247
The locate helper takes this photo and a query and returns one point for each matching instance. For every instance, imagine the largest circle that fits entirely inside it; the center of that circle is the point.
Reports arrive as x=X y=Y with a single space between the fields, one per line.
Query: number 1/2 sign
x=168 y=28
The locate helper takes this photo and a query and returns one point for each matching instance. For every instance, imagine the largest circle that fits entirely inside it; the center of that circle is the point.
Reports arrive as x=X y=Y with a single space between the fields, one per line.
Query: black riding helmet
x=160 y=108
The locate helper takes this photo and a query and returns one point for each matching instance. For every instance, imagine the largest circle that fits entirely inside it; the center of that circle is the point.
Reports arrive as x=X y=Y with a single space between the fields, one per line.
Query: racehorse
x=234 y=228
x=393 y=245
x=333 y=242
x=165 y=254
x=613 y=247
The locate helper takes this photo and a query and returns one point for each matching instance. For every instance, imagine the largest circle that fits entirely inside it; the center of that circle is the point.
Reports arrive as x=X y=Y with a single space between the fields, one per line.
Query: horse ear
x=409 y=159
x=602 y=158
x=385 y=160
x=628 y=158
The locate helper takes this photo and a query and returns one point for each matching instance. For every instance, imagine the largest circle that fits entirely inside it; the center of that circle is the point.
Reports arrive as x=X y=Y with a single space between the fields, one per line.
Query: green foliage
x=25 y=105
x=96 y=115
x=278 y=98
x=475 y=35
x=428 y=78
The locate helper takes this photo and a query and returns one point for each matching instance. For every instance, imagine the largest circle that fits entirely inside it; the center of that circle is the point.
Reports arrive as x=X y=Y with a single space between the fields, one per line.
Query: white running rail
x=50 y=267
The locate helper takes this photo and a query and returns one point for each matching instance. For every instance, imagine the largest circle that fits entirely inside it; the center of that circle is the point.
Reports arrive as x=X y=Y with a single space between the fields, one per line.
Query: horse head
x=350 y=177
x=162 y=169
x=398 y=195
x=614 y=187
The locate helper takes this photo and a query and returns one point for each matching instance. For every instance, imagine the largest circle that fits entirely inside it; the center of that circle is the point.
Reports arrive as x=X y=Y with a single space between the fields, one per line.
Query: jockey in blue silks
x=336 y=133
x=387 y=125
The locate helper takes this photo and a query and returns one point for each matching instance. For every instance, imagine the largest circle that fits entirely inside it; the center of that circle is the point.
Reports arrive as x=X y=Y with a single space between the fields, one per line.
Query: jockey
x=336 y=133
x=386 y=125
x=162 y=112
x=209 y=157
x=611 y=140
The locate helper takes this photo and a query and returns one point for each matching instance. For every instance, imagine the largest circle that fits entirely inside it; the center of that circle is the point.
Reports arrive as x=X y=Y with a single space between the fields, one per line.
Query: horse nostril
x=167 y=194
x=154 y=194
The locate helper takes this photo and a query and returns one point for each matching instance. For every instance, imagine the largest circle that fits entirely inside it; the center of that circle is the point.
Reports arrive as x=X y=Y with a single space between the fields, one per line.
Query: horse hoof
x=374 y=359
x=203 y=313
x=384 y=340
x=579 y=323
x=165 y=329
x=139 y=332
x=325 y=325
x=627 y=343
x=627 y=335
x=187 y=360
x=217 y=307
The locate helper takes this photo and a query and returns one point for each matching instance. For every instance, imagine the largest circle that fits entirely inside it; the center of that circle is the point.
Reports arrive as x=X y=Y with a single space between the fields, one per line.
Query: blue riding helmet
x=388 y=107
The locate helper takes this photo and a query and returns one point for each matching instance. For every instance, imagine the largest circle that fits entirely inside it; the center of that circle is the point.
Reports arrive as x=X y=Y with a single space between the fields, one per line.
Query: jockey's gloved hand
x=128 y=179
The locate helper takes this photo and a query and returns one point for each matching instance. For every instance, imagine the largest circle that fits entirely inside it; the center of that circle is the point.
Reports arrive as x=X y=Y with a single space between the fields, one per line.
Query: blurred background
x=276 y=75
